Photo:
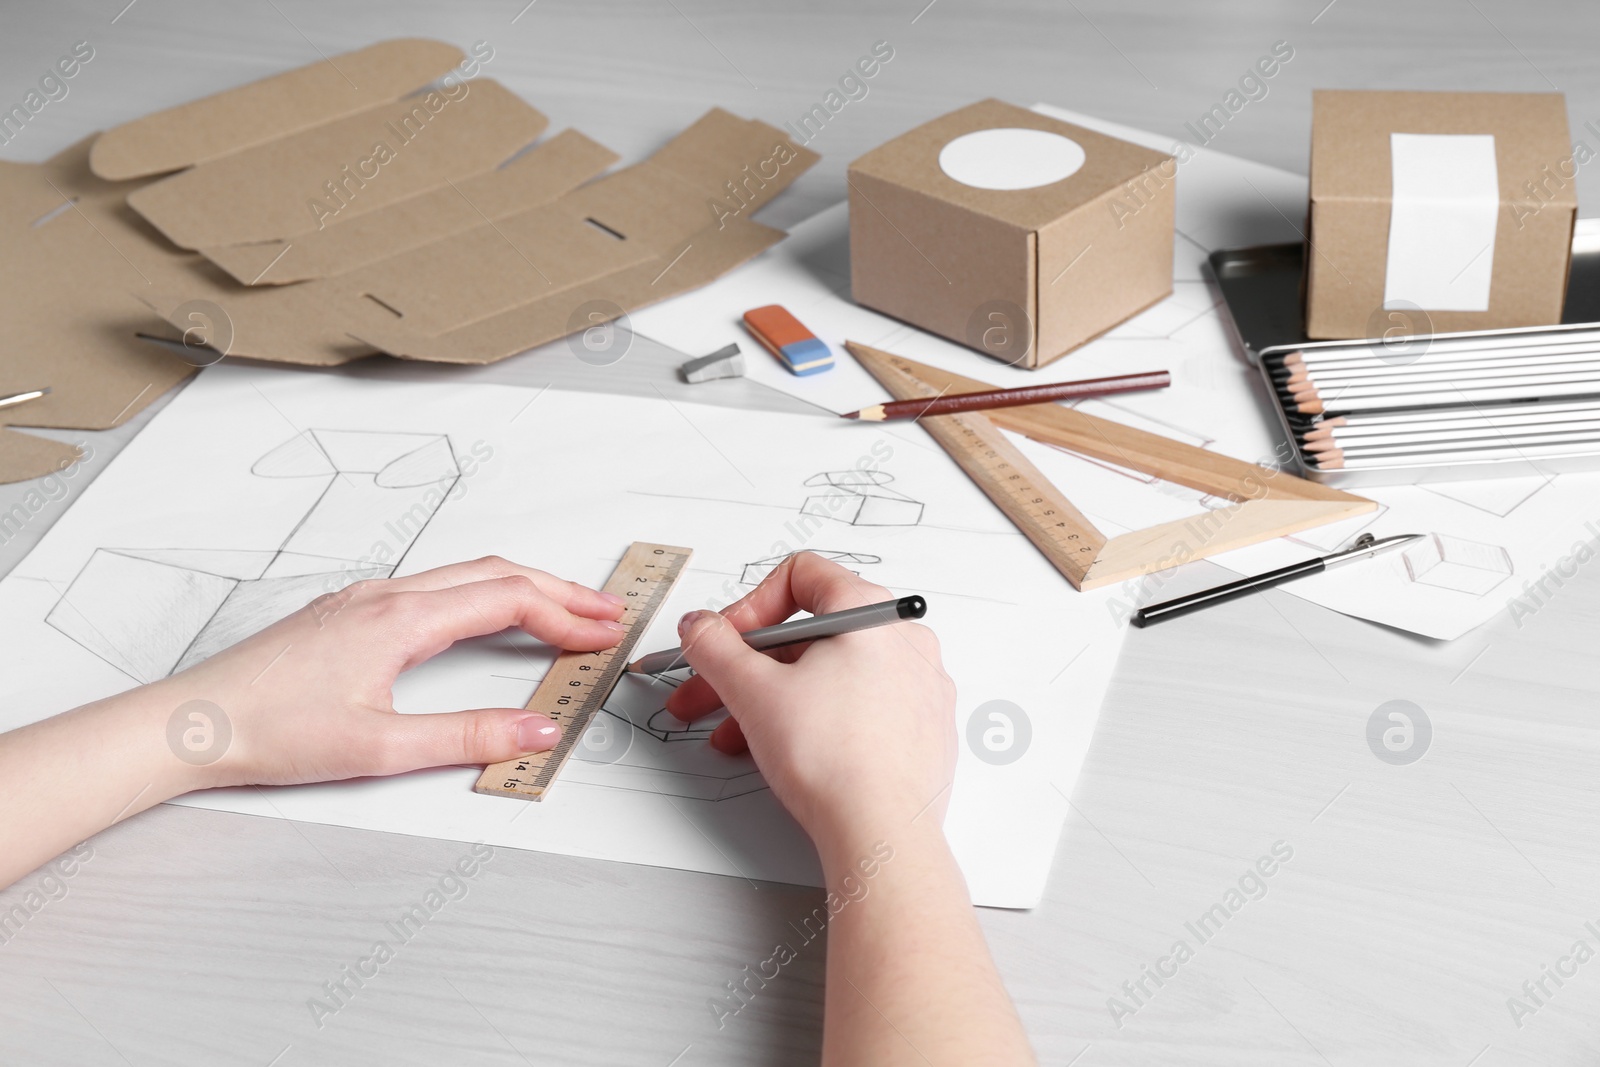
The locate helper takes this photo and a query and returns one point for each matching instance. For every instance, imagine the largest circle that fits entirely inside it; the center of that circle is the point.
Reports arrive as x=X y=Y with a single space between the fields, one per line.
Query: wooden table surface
x=1417 y=898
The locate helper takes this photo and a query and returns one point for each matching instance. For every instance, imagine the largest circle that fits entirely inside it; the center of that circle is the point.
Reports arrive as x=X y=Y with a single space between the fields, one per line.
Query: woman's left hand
x=309 y=699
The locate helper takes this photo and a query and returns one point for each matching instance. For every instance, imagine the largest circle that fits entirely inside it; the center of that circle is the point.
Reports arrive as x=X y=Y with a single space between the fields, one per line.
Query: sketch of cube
x=1454 y=563
x=861 y=498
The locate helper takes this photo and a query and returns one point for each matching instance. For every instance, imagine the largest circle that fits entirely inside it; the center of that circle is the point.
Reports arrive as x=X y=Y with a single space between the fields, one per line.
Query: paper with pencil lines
x=256 y=489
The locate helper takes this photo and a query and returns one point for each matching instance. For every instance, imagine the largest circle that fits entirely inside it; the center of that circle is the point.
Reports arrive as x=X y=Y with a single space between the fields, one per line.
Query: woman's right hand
x=856 y=733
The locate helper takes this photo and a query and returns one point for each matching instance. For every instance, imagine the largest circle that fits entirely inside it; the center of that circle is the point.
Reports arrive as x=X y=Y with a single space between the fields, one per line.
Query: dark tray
x=1266 y=308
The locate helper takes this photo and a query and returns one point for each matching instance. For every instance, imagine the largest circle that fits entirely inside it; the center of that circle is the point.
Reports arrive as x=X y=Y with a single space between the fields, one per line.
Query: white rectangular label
x=1442 y=219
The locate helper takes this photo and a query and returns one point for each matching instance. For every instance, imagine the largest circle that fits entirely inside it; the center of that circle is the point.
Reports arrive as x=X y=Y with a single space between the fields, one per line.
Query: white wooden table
x=1417 y=900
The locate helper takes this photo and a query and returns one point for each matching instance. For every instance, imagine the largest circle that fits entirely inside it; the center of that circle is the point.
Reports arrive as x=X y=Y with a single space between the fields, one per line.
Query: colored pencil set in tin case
x=1505 y=401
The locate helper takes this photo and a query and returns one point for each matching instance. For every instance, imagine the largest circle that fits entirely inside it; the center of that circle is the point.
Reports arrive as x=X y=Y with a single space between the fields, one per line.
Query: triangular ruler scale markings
x=1268 y=503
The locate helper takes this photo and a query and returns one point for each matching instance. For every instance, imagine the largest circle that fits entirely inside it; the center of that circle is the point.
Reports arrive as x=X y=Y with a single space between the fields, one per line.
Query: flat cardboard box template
x=467 y=246
x=68 y=275
x=269 y=109
x=493 y=286
x=296 y=185
x=1035 y=245
x=76 y=261
x=554 y=167
x=1507 y=205
x=684 y=214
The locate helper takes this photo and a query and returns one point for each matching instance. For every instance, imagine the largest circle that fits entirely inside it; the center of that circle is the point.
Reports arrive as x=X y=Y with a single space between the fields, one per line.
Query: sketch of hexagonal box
x=755 y=573
x=1454 y=563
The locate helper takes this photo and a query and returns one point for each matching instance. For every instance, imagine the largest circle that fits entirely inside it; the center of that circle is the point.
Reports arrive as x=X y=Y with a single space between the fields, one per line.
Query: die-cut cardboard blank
x=265 y=110
x=539 y=175
x=1268 y=503
x=265 y=222
x=264 y=193
x=495 y=286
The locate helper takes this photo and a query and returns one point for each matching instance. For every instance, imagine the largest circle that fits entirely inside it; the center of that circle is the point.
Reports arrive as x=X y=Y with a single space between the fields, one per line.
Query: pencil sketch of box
x=639 y=747
x=150 y=612
x=1457 y=564
x=756 y=572
x=861 y=498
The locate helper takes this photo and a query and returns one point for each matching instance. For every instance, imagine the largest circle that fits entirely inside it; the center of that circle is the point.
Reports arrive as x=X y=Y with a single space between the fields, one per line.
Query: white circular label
x=1010 y=158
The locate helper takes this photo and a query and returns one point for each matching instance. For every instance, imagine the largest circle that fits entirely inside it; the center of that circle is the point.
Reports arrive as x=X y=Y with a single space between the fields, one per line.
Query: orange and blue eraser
x=782 y=334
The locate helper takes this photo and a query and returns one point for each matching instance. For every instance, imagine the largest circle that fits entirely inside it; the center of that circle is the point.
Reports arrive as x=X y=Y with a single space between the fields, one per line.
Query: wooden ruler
x=1036 y=507
x=578 y=683
x=1265 y=503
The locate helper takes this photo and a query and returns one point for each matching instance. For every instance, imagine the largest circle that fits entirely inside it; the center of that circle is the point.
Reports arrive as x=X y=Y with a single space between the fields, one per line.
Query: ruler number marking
x=574 y=710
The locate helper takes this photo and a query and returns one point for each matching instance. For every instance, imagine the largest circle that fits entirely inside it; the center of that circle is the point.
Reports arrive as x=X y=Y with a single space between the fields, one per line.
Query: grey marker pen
x=793 y=633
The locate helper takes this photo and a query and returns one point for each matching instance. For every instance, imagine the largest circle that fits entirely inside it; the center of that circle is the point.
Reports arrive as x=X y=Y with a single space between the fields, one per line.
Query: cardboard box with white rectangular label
x=1011 y=232
x=1434 y=212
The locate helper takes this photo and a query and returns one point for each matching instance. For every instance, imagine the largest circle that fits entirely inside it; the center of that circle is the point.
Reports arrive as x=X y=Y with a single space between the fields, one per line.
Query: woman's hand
x=308 y=699
x=855 y=733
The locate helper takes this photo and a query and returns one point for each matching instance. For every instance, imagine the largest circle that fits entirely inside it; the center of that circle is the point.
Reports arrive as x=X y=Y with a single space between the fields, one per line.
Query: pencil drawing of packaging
x=861 y=498
x=150 y=612
x=1011 y=232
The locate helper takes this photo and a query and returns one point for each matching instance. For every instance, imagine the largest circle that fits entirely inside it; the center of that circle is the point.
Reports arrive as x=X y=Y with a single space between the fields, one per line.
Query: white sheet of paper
x=1526 y=525
x=564 y=481
x=1490 y=546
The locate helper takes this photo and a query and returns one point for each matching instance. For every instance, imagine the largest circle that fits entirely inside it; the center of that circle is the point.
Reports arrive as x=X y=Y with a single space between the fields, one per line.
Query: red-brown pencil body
x=1008 y=398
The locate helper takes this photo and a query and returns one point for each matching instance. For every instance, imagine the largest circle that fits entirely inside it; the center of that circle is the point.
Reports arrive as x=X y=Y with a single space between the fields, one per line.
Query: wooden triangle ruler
x=1267 y=503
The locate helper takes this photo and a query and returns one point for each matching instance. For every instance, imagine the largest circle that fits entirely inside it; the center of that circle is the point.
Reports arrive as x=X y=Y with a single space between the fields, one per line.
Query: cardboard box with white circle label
x=1011 y=232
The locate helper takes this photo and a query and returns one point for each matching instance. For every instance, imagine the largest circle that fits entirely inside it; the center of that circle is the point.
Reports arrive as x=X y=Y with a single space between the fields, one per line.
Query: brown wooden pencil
x=1008 y=398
